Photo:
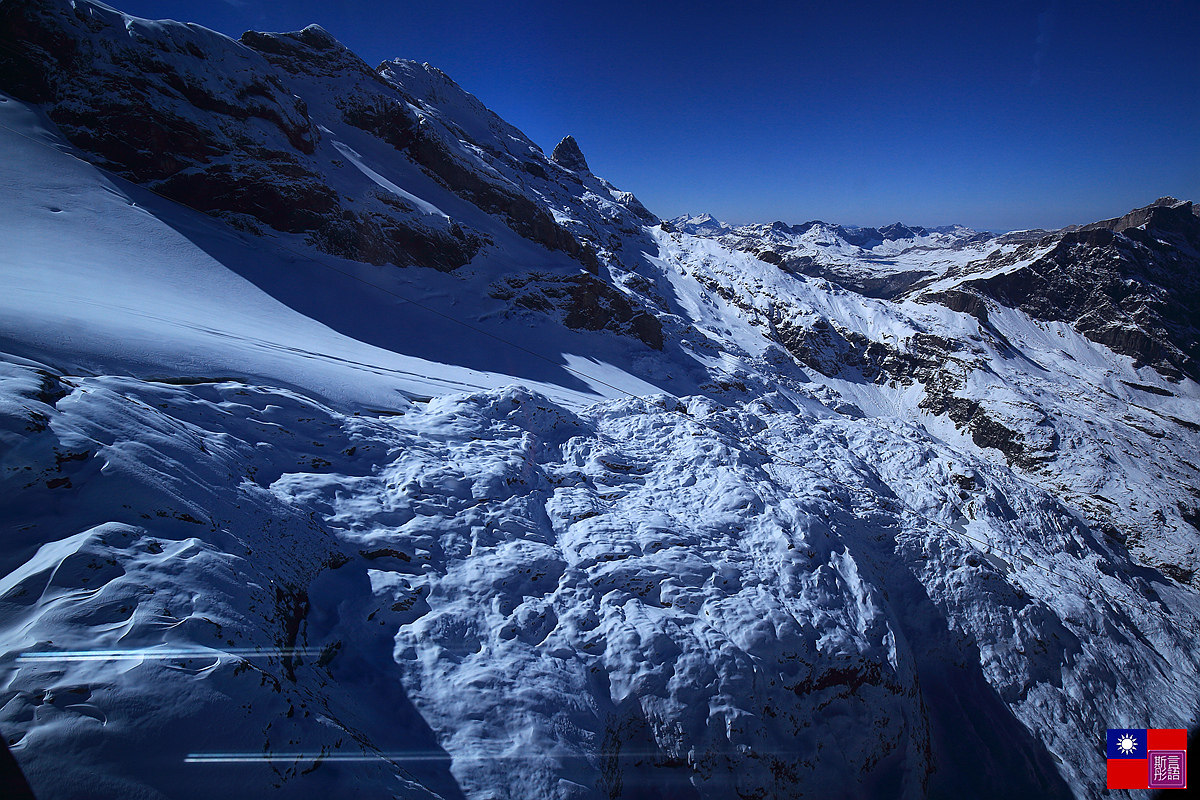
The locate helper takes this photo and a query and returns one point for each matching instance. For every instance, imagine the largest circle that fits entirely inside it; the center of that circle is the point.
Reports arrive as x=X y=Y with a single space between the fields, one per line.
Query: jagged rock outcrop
x=1165 y=213
x=834 y=351
x=567 y=154
x=216 y=126
x=583 y=303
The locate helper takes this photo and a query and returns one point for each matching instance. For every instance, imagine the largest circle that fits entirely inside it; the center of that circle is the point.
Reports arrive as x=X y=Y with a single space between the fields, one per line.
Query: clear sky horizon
x=998 y=116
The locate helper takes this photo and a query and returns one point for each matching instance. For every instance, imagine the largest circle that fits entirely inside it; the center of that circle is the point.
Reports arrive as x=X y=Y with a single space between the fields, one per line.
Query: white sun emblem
x=1126 y=744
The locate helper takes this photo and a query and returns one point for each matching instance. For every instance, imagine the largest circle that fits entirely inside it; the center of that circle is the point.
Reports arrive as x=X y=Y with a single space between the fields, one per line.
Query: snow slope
x=282 y=523
x=208 y=301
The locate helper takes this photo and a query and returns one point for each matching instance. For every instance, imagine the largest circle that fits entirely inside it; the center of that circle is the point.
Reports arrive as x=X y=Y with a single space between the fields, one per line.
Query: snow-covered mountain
x=876 y=262
x=353 y=446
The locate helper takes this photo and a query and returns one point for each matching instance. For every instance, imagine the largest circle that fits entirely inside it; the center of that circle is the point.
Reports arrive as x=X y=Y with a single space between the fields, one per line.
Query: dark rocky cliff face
x=213 y=125
x=1131 y=283
x=582 y=302
x=155 y=110
x=1165 y=213
x=567 y=154
x=221 y=127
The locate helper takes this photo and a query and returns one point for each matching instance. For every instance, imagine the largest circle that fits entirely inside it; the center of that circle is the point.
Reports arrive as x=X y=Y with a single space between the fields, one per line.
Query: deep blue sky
x=1000 y=115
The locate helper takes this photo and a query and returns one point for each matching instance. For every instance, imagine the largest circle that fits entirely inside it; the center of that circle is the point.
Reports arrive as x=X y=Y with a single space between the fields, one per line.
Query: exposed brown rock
x=1135 y=289
x=584 y=303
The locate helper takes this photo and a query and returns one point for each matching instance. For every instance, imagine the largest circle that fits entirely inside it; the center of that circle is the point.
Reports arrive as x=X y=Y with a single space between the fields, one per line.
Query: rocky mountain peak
x=1165 y=213
x=318 y=38
x=898 y=230
x=567 y=154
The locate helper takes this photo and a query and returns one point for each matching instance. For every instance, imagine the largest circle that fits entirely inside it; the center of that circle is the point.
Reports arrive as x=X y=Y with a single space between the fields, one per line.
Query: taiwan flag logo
x=1140 y=758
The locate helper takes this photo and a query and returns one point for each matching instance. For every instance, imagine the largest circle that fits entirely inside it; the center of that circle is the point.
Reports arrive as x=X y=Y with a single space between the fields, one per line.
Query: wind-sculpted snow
x=1111 y=437
x=497 y=597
